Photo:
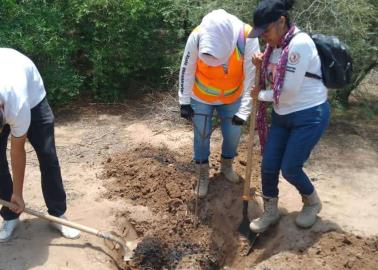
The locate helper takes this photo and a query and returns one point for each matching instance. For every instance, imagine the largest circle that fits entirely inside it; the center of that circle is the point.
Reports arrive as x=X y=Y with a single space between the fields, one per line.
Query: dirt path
x=84 y=136
x=128 y=162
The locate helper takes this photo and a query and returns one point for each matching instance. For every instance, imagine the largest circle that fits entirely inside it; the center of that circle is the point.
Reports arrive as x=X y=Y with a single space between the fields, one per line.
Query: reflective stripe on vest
x=222 y=84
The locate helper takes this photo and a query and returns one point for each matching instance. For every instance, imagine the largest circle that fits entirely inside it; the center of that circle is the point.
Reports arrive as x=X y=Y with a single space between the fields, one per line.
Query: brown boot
x=311 y=207
x=270 y=216
x=227 y=171
x=203 y=182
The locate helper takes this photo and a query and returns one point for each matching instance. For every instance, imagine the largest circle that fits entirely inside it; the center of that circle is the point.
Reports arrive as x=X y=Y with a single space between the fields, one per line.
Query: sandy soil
x=124 y=163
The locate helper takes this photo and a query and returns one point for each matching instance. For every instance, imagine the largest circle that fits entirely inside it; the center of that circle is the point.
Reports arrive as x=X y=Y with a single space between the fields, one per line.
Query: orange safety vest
x=215 y=84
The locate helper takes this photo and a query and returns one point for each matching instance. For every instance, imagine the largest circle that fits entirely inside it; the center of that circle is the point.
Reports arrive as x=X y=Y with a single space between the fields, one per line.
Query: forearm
x=252 y=47
x=18 y=162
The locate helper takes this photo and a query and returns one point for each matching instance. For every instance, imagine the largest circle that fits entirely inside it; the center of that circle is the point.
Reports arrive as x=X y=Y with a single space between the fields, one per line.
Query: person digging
x=26 y=114
x=300 y=112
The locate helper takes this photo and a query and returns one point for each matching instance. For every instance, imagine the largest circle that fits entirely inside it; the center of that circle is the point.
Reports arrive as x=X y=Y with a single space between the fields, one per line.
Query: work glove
x=186 y=111
x=237 y=121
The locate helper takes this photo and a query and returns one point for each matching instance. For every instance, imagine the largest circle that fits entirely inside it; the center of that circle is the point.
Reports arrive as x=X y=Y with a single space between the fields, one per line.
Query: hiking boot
x=311 y=207
x=203 y=181
x=66 y=232
x=7 y=228
x=227 y=171
x=270 y=216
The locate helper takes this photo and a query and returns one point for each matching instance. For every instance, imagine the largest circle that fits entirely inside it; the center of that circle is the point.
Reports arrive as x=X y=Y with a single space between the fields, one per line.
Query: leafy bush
x=124 y=43
x=118 y=48
x=36 y=28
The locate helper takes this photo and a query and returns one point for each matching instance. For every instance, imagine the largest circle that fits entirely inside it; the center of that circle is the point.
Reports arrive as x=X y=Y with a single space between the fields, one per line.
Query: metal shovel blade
x=245 y=231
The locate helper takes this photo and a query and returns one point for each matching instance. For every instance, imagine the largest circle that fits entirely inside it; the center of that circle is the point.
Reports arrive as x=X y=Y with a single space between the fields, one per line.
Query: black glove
x=237 y=121
x=186 y=111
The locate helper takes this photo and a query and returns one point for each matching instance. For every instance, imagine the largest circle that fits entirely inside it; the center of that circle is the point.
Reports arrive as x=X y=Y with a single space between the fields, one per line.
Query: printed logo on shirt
x=294 y=58
x=291 y=69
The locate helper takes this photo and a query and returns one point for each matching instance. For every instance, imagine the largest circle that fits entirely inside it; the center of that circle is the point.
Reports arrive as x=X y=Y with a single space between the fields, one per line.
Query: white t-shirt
x=298 y=92
x=188 y=71
x=21 y=89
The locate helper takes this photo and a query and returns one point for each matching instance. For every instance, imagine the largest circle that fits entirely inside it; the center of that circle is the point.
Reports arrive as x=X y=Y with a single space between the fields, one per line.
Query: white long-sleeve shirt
x=298 y=91
x=189 y=66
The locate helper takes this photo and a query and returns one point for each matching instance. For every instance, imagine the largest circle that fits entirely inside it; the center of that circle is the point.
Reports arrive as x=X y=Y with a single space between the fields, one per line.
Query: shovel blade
x=244 y=230
x=249 y=237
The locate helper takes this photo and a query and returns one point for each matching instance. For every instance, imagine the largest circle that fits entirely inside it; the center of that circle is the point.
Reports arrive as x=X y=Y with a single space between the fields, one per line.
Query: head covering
x=268 y=11
x=218 y=35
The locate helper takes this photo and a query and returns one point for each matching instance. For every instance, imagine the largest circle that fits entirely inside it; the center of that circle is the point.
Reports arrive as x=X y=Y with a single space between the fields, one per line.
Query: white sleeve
x=188 y=69
x=300 y=54
x=251 y=47
x=19 y=123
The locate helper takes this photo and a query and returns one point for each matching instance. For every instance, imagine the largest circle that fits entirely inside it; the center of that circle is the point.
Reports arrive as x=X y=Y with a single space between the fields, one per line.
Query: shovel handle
x=127 y=247
x=252 y=126
x=55 y=219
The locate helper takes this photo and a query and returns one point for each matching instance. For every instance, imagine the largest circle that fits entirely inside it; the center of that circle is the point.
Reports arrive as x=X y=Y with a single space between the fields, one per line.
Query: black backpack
x=335 y=59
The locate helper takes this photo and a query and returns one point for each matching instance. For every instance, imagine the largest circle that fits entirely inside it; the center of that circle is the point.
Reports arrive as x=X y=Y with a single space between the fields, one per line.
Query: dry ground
x=124 y=163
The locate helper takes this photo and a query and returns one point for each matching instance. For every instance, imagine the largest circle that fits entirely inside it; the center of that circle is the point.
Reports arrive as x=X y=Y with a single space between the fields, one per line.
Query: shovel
x=244 y=229
x=126 y=247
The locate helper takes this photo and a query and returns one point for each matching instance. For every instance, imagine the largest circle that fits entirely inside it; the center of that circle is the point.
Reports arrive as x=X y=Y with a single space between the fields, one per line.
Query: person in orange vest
x=217 y=74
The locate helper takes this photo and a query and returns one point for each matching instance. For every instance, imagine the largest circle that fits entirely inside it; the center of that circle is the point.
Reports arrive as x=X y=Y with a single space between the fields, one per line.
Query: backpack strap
x=312 y=75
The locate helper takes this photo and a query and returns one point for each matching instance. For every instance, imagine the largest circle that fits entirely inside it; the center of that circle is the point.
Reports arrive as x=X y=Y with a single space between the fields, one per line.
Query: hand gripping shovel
x=244 y=229
x=126 y=247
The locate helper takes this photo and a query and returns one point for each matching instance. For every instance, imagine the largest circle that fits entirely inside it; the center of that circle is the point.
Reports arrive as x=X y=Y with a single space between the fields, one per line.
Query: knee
x=48 y=157
x=269 y=167
x=290 y=172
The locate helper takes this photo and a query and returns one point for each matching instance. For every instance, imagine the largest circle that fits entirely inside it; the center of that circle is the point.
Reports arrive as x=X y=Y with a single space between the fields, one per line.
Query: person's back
x=20 y=75
x=21 y=88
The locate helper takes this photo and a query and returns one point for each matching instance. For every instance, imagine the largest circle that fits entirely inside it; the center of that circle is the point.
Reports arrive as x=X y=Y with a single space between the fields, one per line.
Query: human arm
x=188 y=69
x=251 y=48
x=19 y=124
x=18 y=162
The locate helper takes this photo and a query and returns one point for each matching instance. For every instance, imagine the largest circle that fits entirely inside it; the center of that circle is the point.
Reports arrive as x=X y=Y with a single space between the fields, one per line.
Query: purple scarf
x=278 y=82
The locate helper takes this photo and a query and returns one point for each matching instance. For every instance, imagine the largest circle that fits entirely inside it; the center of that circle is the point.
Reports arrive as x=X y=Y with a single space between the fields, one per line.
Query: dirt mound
x=333 y=251
x=159 y=183
x=163 y=182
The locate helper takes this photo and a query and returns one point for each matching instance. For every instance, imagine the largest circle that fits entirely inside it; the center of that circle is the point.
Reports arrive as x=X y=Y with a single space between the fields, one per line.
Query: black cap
x=266 y=12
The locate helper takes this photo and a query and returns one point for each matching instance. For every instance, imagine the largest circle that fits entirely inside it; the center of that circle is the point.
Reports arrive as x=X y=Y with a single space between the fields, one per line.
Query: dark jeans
x=41 y=137
x=290 y=141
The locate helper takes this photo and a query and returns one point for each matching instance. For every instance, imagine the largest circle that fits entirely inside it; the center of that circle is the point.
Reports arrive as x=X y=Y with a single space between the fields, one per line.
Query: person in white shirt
x=26 y=114
x=300 y=112
x=217 y=74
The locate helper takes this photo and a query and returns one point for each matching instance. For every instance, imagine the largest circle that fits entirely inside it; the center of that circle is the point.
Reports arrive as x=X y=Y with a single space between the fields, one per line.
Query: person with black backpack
x=300 y=112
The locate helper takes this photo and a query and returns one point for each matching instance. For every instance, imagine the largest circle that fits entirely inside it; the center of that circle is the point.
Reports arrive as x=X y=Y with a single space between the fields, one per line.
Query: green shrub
x=36 y=28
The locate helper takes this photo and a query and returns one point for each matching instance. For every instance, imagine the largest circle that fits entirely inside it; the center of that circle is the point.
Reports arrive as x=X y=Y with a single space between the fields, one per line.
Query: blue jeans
x=290 y=141
x=202 y=121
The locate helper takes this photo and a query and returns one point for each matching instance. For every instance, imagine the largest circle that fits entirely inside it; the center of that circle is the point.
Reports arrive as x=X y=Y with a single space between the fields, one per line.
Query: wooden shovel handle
x=56 y=219
x=252 y=126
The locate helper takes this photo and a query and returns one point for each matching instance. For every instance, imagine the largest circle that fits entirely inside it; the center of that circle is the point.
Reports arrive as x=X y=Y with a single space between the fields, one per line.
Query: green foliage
x=36 y=29
x=112 y=49
x=354 y=22
x=124 y=43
